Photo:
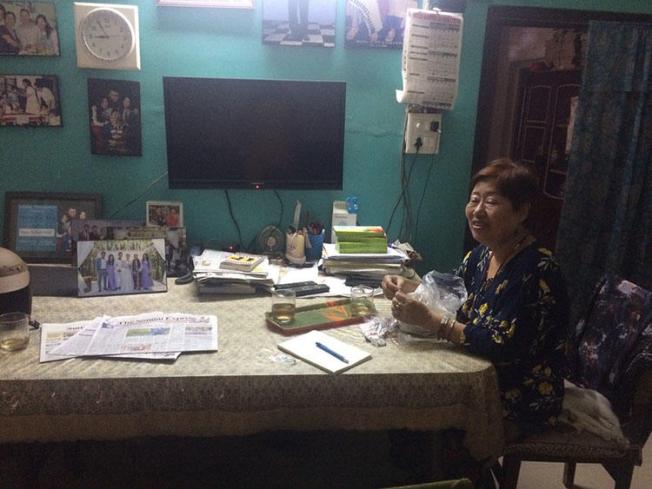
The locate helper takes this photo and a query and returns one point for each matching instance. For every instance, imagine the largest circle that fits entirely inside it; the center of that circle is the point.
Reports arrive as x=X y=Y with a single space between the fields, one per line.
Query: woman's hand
x=412 y=311
x=392 y=284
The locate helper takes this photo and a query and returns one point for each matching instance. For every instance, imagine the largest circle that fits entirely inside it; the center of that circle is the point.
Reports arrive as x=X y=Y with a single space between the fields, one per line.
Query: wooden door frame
x=499 y=17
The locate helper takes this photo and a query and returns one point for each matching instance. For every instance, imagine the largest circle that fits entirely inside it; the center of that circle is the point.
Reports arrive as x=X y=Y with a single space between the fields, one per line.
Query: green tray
x=330 y=314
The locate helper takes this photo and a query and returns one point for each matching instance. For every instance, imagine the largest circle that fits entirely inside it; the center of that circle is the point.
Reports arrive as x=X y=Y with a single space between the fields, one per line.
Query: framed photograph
x=299 y=23
x=114 y=117
x=206 y=3
x=376 y=23
x=37 y=225
x=162 y=213
x=28 y=28
x=29 y=100
x=117 y=267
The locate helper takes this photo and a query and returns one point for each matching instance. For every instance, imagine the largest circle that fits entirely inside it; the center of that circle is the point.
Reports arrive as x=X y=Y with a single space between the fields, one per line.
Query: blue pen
x=321 y=346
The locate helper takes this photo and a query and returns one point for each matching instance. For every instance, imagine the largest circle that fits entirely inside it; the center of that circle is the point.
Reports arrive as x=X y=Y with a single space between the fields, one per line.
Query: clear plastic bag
x=439 y=291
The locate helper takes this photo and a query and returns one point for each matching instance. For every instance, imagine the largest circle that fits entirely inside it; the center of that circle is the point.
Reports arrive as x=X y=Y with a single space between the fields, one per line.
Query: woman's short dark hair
x=517 y=182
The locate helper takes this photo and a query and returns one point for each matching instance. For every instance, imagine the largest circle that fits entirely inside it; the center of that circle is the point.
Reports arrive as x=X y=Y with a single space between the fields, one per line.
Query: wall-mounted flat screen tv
x=242 y=133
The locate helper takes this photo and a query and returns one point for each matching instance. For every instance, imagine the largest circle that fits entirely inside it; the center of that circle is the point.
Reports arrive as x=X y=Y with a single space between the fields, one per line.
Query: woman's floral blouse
x=518 y=320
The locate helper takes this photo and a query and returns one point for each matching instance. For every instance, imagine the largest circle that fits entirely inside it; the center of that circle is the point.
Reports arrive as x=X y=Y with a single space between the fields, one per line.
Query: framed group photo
x=29 y=101
x=38 y=225
x=162 y=213
x=118 y=267
x=114 y=117
x=28 y=28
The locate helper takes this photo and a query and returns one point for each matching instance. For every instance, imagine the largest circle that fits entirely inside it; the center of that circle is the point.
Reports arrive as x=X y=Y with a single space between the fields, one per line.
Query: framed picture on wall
x=114 y=117
x=299 y=22
x=129 y=266
x=37 y=225
x=28 y=28
x=376 y=23
x=207 y=3
x=29 y=101
x=161 y=213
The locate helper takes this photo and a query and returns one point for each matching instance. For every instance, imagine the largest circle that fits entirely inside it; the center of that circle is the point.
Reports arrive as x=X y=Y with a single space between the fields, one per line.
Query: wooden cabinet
x=543 y=129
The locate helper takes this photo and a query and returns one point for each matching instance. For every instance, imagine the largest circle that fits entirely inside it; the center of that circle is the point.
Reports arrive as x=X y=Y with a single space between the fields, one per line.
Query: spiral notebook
x=324 y=351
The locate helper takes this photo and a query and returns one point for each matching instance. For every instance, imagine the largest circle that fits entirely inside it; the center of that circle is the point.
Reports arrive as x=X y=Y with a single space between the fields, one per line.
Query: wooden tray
x=330 y=314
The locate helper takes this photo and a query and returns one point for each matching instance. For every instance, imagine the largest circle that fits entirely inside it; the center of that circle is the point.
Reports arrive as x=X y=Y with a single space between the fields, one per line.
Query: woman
x=48 y=40
x=32 y=103
x=110 y=273
x=126 y=277
x=146 y=273
x=135 y=272
x=9 y=43
x=517 y=307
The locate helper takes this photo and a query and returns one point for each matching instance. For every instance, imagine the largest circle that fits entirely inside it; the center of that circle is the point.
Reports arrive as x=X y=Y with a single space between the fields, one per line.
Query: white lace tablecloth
x=239 y=389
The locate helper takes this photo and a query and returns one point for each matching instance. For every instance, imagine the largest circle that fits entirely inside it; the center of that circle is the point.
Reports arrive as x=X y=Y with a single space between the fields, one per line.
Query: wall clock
x=107 y=36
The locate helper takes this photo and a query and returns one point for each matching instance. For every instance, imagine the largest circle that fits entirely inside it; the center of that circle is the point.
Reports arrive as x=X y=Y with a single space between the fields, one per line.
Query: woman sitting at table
x=517 y=308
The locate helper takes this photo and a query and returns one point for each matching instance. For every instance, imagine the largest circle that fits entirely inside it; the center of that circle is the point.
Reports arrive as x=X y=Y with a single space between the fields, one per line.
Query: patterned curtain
x=606 y=221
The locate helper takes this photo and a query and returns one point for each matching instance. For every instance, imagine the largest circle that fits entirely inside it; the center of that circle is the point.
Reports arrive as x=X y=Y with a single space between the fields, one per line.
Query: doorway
x=529 y=86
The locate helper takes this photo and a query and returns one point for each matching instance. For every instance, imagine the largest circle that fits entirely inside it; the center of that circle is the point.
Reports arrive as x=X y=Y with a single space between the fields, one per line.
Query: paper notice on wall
x=431 y=58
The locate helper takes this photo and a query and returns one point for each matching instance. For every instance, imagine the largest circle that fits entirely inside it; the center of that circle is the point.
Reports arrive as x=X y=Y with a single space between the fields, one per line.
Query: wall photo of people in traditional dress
x=118 y=267
x=376 y=23
x=28 y=28
x=114 y=117
x=29 y=101
x=163 y=213
x=299 y=22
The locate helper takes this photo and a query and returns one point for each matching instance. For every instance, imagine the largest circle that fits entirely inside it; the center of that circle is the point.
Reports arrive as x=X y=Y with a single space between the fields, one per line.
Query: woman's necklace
x=516 y=247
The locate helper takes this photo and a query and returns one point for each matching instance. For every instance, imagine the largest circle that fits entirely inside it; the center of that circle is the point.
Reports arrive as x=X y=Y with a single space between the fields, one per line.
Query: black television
x=246 y=133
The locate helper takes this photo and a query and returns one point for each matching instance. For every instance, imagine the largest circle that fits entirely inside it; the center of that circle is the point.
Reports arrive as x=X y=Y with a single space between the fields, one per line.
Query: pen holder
x=314 y=245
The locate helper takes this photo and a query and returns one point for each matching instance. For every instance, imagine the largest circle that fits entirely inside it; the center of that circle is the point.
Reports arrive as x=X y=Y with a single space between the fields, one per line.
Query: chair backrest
x=612 y=345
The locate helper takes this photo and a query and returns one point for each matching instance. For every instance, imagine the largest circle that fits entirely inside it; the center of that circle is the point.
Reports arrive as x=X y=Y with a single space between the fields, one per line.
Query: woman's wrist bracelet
x=446 y=327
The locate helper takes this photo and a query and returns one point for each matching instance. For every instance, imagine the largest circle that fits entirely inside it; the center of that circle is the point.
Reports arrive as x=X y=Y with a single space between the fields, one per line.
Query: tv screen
x=240 y=133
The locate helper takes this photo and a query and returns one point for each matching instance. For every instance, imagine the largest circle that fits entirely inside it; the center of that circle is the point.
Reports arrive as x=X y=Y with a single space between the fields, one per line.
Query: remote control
x=294 y=285
x=311 y=289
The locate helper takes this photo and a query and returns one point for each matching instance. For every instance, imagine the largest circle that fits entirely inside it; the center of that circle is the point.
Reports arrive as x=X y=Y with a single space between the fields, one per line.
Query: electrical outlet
x=422 y=133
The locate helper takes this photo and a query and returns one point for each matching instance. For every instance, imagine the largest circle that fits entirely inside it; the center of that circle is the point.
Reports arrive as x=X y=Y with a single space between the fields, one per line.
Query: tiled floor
x=286 y=459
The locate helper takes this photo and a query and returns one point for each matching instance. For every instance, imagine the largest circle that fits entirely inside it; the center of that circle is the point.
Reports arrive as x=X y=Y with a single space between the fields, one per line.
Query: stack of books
x=360 y=239
x=219 y=272
x=365 y=268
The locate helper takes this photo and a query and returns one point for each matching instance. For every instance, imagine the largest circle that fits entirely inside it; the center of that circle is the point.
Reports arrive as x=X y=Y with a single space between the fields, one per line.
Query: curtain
x=606 y=220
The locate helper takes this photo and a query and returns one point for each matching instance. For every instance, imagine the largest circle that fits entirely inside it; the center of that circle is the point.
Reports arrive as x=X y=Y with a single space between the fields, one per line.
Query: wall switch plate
x=423 y=127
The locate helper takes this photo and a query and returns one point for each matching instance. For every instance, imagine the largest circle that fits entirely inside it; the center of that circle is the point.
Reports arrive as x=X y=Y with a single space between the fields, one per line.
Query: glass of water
x=283 y=305
x=362 y=300
x=14 y=331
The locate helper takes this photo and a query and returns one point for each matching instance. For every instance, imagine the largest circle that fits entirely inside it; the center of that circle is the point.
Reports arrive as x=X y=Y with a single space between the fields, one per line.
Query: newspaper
x=155 y=332
x=54 y=334
x=431 y=59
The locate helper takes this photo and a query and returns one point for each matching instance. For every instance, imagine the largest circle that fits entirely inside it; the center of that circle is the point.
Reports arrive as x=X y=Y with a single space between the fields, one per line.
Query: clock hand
x=100 y=24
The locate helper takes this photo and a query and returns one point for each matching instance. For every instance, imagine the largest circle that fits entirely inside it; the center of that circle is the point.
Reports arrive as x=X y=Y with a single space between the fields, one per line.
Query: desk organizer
x=330 y=314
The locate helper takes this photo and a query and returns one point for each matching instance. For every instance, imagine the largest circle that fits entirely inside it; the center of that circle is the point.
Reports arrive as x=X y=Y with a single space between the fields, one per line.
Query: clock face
x=107 y=34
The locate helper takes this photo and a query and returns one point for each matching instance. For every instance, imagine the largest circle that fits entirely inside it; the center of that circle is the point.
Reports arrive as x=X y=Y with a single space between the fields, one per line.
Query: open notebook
x=324 y=351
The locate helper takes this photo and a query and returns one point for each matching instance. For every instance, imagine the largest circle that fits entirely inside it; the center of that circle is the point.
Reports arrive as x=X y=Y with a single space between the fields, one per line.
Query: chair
x=611 y=352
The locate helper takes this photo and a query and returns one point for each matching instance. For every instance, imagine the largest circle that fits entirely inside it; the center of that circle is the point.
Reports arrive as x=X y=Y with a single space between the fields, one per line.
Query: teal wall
x=227 y=43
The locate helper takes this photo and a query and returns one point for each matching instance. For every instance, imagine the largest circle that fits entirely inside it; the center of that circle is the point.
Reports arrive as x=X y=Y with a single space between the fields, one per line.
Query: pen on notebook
x=321 y=346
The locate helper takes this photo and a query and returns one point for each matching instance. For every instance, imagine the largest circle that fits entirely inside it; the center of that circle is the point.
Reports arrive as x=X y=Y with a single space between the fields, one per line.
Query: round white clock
x=107 y=34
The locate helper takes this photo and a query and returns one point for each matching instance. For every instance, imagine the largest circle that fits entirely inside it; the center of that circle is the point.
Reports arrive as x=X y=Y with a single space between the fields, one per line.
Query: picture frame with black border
x=37 y=225
x=29 y=28
x=30 y=101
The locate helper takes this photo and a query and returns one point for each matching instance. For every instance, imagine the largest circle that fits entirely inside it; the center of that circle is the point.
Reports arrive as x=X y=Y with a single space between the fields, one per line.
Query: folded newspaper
x=150 y=336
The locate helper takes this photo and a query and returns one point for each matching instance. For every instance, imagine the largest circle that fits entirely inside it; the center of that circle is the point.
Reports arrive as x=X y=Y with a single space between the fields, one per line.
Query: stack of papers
x=371 y=266
x=150 y=336
x=212 y=278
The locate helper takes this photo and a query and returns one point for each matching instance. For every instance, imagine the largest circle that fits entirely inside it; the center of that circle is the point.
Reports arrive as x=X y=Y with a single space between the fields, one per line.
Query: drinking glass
x=283 y=305
x=362 y=300
x=14 y=331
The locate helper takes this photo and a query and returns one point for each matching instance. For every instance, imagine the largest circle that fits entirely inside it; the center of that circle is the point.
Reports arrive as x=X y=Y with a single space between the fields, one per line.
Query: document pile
x=368 y=268
x=149 y=336
x=212 y=278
